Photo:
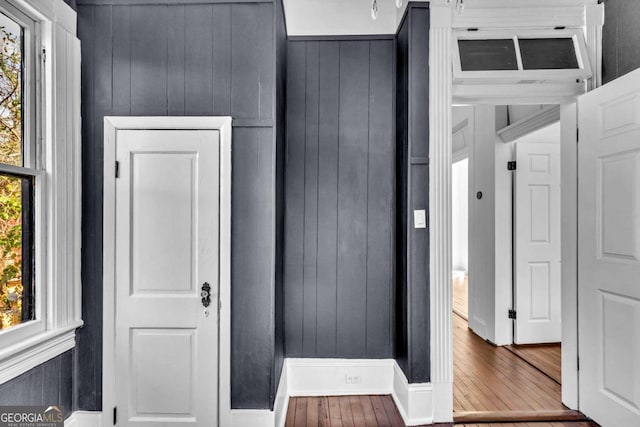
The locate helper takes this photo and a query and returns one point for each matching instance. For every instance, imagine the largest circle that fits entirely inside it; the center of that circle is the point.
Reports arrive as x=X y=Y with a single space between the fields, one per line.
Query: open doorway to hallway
x=506 y=264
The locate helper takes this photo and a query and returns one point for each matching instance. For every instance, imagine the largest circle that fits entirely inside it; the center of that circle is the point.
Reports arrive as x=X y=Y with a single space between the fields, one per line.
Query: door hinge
x=511 y=165
x=577 y=134
x=578 y=362
x=117 y=169
x=512 y=314
x=115 y=415
x=44 y=55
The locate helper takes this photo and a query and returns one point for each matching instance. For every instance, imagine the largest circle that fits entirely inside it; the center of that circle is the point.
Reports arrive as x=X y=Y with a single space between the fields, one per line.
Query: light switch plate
x=419 y=218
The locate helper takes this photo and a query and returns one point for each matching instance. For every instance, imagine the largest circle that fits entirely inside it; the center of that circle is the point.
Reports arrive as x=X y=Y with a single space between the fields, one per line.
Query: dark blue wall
x=339 y=198
x=412 y=308
x=190 y=58
x=46 y=384
x=281 y=102
x=620 y=38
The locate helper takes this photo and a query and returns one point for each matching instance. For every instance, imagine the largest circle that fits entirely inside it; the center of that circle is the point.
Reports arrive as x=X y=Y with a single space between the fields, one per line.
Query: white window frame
x=52 y=156
x=583 y=71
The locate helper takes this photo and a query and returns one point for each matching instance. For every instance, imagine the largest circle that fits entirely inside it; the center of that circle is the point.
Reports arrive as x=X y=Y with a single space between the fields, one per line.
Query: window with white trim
x=21 y=179
x=39 y=183
x=520 y=55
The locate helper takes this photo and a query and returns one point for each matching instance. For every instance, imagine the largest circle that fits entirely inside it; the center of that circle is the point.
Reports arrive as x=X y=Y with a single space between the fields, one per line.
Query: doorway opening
x=506 y=264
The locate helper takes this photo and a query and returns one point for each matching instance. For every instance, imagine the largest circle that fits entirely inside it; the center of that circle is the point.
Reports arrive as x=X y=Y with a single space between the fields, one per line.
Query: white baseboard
x=281 y=404
x=418 y=404
x=339 y=377
x=84 y=419
x=252 y=418
x=414 y=401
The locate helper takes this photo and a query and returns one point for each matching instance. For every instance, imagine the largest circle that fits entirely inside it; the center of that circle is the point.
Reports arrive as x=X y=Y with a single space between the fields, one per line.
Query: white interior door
x=609 y=252
x=167 y=216
x=537 y=243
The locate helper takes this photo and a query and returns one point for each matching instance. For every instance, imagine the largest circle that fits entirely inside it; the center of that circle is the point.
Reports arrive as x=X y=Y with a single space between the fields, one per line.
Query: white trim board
x=418 y=404
x=585 y=14
x=111 y=126
x=84 y=419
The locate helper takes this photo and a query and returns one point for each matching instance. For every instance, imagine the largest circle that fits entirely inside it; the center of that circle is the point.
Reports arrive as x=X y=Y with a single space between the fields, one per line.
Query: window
x=520 y=56
x=20 y=177
x=491 y=54
x=39 y=183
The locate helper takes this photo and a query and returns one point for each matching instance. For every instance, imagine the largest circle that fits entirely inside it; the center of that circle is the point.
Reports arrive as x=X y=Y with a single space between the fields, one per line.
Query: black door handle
x=205 y=293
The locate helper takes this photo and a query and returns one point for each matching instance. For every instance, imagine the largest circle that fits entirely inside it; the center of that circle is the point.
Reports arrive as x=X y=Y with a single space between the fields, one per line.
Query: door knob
x=205 y=293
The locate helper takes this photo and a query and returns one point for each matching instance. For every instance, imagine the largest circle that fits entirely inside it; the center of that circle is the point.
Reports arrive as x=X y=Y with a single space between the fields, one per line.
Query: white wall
x=460 y=215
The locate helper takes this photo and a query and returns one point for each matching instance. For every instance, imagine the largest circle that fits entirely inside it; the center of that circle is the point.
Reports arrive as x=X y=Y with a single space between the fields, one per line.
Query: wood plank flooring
x=343 y=411
x=545 y=357
x=489 y=378
x=372 y=411
x=461 y=296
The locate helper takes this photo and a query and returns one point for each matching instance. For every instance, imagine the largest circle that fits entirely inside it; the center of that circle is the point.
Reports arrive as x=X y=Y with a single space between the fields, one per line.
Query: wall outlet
x=353 y=379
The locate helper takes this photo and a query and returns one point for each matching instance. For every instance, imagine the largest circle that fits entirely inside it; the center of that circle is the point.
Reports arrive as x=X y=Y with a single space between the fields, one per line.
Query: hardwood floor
x=460 y=296
x=343 y=411
x=372 y=411
x=489 y=378
x=515 y=383
x=545 y=357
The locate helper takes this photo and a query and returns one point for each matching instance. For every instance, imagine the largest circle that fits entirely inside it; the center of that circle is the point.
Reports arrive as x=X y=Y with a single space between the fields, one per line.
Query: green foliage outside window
x=10 y=187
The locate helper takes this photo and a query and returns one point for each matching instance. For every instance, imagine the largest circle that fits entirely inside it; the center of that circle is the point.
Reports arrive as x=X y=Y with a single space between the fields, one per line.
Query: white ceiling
x=341 y=17
x=353 y=17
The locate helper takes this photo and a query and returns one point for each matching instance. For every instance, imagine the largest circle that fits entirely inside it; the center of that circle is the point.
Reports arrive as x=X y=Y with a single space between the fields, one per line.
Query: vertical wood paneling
x=339 y=198
x=91 y=220
x=222 y=59
x=628 y=42
x=418 y=293
x=249 y=76
x=380 y=199
x=610 y=41
x=280 y=133
x=46 y=384
x=198 y=60
x=122 y=60
x=251 y=284
x=413 y=305
x=149 y=60
x=310 y=270
x=266 y=62
x=329 y=101
x=183 y=59
x=352 y=198
x=401 y=346
x=176 y=62
x=102 y=92
x=294 y=203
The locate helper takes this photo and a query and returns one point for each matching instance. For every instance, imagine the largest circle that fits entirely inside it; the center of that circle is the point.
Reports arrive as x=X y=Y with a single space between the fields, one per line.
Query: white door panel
x=537 y=243
x=166 y=248
x=609 y=252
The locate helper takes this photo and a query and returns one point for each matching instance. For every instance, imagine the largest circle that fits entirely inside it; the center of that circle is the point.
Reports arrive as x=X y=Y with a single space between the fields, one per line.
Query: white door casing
x=152 y=334
x=609 y=252
x=537 y=243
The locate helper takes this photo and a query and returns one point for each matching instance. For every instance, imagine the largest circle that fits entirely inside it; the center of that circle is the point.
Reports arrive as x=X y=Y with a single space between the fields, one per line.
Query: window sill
x=20 y=358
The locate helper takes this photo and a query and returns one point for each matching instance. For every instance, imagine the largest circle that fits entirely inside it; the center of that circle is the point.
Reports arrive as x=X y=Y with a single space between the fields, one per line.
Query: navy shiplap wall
x=46 y=384
x=200 y=58
x=339 y=198
x=281 y=85
x=412 y=186
x=620 y=38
